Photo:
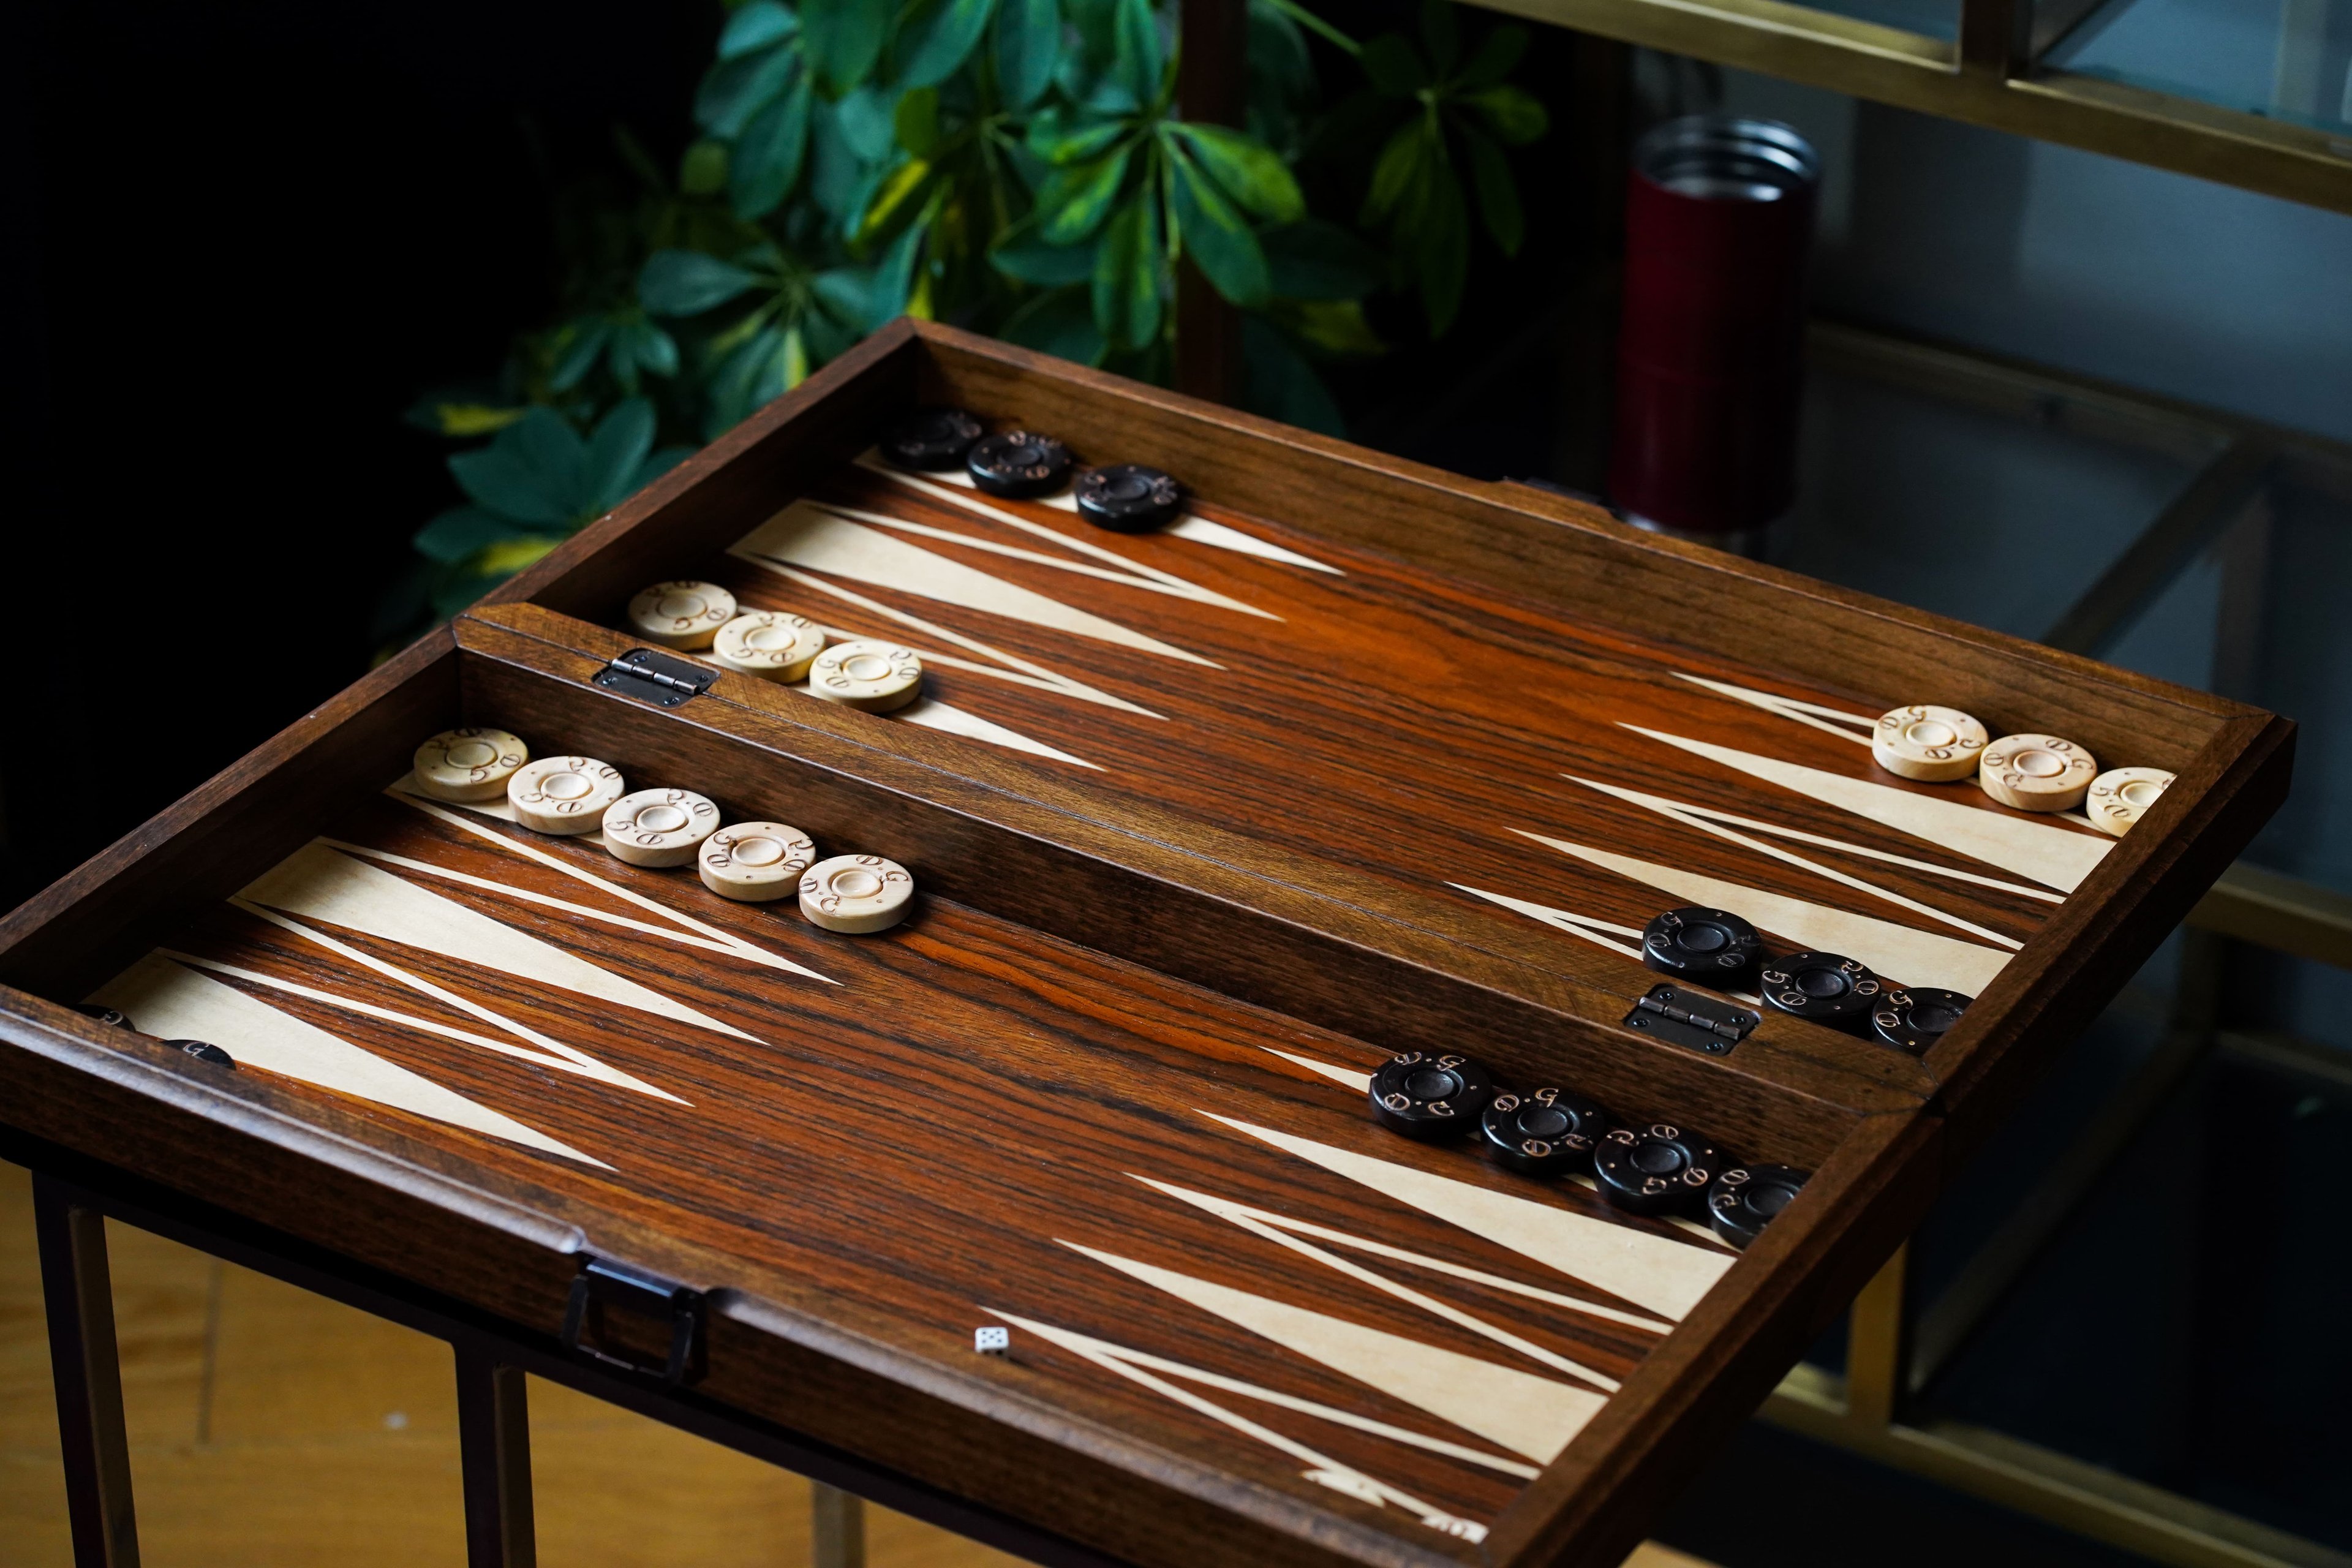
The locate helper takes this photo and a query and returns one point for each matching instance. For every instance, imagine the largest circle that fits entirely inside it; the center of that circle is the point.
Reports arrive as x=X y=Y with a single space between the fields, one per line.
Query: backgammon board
x=1208 y=822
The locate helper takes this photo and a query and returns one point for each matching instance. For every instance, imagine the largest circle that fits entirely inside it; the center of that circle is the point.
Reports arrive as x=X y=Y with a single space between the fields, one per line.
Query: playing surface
x=1175 y=1202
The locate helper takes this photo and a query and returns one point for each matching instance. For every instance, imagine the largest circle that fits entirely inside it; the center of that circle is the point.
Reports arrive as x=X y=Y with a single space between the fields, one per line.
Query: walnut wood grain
x=1306 y=939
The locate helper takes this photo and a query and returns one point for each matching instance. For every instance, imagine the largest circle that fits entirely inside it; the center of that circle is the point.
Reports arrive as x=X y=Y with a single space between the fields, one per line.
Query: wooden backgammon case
x=1358 y=759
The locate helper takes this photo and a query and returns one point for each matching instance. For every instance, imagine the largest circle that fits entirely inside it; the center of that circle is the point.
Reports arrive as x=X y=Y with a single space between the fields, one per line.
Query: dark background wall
x=240 y=238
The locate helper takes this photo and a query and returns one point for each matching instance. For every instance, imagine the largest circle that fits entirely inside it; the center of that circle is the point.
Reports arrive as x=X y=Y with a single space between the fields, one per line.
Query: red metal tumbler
x=1718 y=216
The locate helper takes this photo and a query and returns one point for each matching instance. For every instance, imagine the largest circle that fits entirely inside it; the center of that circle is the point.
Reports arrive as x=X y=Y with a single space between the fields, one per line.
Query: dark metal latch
x=603 y=1284
x=1692 y=1018
x=654 y=677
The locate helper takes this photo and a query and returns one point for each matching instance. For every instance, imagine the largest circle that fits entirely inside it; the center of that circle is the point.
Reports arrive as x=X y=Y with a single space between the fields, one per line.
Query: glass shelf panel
x=2287 y=59
x=1937 y=19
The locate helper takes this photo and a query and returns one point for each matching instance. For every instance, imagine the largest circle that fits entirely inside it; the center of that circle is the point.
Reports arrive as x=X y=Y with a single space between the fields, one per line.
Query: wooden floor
x=275 y=1428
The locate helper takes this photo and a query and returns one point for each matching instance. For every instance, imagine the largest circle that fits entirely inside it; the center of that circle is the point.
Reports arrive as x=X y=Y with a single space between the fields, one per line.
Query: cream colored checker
x=658 y=826
x=1924 y=742
x=856 y=893
x=752 y=862
x=876 y=676
x=683 y=614
x=564 y=795
x=2037 y=772
x=2121 y=796
x=770 y=644
x=469 y=764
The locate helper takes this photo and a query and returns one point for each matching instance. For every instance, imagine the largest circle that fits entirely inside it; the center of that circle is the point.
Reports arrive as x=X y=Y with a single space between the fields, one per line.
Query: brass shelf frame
x=1992 y=76
x=1897 y=1344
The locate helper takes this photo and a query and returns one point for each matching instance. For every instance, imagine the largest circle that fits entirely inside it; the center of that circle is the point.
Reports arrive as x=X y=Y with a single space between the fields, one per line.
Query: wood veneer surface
x=932 y=1130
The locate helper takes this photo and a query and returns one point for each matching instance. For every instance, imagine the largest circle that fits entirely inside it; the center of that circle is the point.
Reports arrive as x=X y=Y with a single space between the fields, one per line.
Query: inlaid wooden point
x=564 y=796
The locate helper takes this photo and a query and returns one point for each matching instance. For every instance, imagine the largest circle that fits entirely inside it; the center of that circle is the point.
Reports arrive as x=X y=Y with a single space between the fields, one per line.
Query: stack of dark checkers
x=1069 y=1209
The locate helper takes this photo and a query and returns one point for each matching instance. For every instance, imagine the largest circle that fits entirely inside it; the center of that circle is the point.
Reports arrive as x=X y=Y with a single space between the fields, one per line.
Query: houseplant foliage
x=1015 y=166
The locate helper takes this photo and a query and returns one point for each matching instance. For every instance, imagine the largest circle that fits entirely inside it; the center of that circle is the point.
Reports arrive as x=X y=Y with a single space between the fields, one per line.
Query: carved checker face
x=875 y=676
x=856 y=893
x=1924 y=742
x=470 y=764
x=564 y=796
x=658 y=826
x=2121 y=796
x=2037 y=772
x=753 y=862
x=682 y=615
x=770 y=644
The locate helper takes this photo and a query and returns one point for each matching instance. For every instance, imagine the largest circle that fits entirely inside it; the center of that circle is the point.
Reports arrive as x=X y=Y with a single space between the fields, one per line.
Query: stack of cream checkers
x=751 y=862
x=695 y=617
x=2031 y=773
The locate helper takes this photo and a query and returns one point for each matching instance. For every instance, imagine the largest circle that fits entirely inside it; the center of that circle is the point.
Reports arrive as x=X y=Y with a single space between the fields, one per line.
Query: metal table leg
x=79 y=1297
x=493 y=1452
x=838 y=1521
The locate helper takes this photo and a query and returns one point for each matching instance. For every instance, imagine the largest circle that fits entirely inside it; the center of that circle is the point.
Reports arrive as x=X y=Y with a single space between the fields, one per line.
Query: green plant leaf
x=616 y=450
x=503 y=559
x=737 y=90
x=530 y=471
x=894 y=275
x=1444 y=249
x=652 y=349
x=1393 y=67
x=1498 y=191
x=1395 y=172
x=462 y=413
x=1216 y=237
x=1516 y=115
x=765 y=163
x=940 y=36
x=585 y=344
x=755 y=27
x=1245 y=169
x=702 y=168
x=1048 y=265
x=916 y=122
x=1138 y=60
x=1126 y=273
x=843 y=39
x=461 y=532
x=744 y=380
x=1443 y=34
x=844 y=292
x=1312 y=259
x=795 y=358
x=686 y=282
x=1063 y=136
x=899 y=191
x=1277 y=381
x=1074 y=201
x=1028 y=47
x=1336 y=327
x=1499 y=54
x=869 y=118
x=1061 y=323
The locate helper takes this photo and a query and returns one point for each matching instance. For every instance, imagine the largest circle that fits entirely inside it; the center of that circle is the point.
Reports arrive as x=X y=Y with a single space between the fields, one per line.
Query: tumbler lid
x=1728 y=158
